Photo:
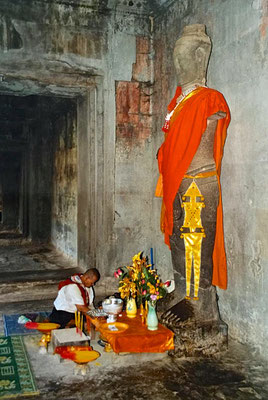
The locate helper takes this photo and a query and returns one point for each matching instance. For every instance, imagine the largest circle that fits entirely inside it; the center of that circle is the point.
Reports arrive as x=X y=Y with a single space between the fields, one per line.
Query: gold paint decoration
x=193 y=234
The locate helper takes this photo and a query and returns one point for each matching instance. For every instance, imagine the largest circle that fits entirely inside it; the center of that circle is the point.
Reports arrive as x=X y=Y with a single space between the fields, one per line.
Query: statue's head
x=191 y=54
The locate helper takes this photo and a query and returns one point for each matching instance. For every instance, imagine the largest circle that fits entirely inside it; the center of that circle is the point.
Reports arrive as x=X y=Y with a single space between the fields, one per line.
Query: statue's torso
x=203 y=160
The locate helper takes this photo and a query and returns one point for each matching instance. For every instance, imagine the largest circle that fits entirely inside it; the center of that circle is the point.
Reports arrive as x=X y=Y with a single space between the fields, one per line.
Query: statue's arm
x=218 y=115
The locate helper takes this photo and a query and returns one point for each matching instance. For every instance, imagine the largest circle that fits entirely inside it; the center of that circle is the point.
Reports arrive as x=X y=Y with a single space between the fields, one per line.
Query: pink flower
x=167 y=283
x=119 y=271
x=157 y=293
x=116 y=274
x=143 y=281
x=144 y=292
x=153 y=297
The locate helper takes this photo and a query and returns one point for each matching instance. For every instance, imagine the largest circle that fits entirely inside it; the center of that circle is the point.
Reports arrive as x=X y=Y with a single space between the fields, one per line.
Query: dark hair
x=92 y=273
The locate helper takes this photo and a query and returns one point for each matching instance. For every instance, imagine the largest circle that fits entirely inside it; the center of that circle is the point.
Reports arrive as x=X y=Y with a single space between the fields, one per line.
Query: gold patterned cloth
x=192 y=230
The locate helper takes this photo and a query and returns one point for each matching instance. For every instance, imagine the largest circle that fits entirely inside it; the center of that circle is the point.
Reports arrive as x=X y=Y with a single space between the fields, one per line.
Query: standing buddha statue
x=190 y=164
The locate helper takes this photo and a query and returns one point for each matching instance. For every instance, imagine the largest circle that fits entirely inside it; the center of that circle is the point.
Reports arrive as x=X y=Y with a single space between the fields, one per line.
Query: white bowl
x=112 y=305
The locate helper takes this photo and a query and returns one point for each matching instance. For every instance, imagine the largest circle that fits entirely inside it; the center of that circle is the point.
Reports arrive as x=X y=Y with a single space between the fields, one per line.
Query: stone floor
x=18 y=255
x=237 y=374
x=30 y=270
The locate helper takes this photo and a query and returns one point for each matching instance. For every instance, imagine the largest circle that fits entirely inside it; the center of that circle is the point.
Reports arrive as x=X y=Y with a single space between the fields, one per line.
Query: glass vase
x=152 y=320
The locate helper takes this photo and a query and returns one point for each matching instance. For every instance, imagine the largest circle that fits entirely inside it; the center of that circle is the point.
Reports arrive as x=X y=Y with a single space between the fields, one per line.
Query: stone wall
x=101 y=55
x=238 y=69
x=133 y=187
x=60 y=49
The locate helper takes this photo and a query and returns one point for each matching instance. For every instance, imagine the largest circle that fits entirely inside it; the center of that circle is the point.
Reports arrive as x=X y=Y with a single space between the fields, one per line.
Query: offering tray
x=43 y=327
x=78 y=354
x=114 y=327
x=99 y=312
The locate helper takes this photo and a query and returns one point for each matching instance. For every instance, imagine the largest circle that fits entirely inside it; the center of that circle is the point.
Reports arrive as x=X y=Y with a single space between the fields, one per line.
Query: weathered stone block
x=133 y=97
x=9 y=37
x=87 y=44
x=127 y=99
x=146 y=121
x=122 y=117
x=145 y=103
x=134 y=118
x=125 y=131
x=142 y=68
x=142 y=44
x=144 y=133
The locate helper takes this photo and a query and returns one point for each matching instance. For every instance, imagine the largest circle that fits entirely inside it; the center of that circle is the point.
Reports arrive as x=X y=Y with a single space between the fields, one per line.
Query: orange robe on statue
x=187 y=124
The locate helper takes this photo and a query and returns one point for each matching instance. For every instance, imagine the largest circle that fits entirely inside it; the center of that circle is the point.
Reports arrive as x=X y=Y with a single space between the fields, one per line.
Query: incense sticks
x=79 y=322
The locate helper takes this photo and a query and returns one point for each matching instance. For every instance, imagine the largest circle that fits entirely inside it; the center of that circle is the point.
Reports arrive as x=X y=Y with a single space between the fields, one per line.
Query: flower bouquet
x=140 y=280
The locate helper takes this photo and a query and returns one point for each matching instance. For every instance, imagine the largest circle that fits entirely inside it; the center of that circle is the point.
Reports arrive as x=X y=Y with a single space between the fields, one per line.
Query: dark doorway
x=38 y=169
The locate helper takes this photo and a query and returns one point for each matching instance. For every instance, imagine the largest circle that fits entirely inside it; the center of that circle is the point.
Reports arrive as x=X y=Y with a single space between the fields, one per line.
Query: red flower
x=167 y=283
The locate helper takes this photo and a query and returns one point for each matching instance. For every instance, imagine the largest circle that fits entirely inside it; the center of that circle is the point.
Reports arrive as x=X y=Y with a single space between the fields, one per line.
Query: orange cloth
x=137 y=338
x=187 y=124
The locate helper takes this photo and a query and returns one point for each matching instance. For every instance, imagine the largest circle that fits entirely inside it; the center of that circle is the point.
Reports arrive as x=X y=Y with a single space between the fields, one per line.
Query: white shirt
x=70 y=295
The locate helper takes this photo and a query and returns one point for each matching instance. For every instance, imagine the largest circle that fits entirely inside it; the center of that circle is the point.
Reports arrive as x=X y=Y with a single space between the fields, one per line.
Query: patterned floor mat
x=16 y=378
x=12 y=327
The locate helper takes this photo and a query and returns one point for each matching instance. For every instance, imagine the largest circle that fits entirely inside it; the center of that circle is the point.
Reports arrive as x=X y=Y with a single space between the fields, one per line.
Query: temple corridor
x=102 y=102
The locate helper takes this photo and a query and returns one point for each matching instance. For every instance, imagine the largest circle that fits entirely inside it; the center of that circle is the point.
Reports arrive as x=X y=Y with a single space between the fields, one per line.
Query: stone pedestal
x=68 y=337
x=198 y=329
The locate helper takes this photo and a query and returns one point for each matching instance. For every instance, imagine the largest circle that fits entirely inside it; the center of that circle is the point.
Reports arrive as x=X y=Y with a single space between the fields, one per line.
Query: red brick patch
x=127 y=98
x=133 y=99
x=142 y=44
x=145 y=101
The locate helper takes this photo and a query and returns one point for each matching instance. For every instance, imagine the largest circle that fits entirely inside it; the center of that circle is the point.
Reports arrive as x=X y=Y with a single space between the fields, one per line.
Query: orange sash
x=188 y=123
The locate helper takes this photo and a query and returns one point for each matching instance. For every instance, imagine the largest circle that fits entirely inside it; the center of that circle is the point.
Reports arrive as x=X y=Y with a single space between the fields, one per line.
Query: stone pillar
x=10 y=188
x=40 y=181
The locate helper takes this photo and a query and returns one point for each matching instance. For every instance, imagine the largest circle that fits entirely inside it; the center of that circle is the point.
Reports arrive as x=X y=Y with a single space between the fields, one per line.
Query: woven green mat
x=16 y=378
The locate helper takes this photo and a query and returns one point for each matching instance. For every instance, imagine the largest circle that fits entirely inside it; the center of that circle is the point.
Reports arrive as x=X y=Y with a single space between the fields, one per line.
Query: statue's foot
x=182 y=311
x=189 y=298
x=169 y=318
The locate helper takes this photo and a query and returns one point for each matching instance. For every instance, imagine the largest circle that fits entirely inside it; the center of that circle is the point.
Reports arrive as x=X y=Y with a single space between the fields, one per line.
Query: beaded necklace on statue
x=179 y=100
